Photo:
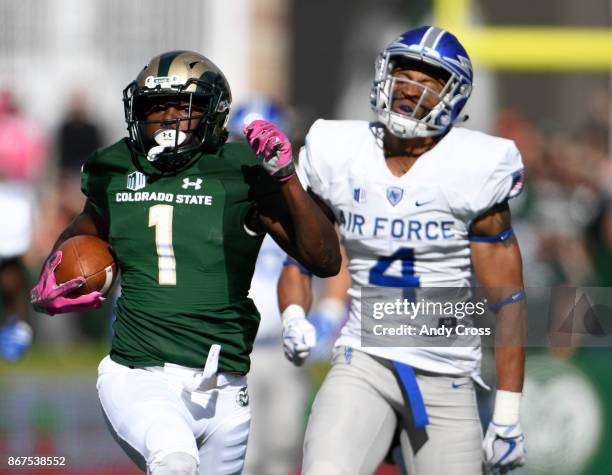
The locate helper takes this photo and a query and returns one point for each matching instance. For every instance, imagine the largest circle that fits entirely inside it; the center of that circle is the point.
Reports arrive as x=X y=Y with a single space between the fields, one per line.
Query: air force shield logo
x=394 y=195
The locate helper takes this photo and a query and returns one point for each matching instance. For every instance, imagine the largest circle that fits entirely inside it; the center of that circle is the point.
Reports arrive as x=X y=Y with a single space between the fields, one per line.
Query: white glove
x=299 y=335
x=504 y=447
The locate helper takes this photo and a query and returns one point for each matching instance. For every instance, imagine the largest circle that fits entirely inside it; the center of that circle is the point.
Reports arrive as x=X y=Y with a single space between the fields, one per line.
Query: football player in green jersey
x=185 y=214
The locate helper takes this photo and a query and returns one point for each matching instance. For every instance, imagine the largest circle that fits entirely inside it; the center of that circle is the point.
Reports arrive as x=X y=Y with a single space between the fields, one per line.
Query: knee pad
x=176 y=463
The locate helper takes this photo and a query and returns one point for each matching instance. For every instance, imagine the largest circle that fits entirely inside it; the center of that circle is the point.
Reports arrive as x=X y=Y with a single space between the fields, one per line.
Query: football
x=89 y=257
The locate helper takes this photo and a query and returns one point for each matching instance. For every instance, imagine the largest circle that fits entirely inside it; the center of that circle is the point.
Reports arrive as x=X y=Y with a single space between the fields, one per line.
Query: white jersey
x=263 y=290
x=417 y=225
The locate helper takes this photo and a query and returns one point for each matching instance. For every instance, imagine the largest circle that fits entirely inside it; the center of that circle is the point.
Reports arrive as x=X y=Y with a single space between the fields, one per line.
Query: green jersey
x=186 y=259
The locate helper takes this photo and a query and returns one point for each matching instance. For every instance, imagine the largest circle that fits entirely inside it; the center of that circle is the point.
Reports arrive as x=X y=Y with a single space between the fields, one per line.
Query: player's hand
x=15 y=338
x=299 y=338
x=272 y=147
x=49 y=297
x=503 y=447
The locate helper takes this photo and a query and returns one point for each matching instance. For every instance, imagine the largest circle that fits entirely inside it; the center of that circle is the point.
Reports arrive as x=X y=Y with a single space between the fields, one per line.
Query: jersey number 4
x=160 y=217
x=407 y=279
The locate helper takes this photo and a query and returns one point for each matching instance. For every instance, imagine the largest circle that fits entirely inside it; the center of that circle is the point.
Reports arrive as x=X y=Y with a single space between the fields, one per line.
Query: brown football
x=89 y=257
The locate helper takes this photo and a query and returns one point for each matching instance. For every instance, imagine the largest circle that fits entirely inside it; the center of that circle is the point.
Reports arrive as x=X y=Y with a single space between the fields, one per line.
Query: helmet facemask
x=197 y=89
x=439 y=54
x=171 y=148
x=422 y=120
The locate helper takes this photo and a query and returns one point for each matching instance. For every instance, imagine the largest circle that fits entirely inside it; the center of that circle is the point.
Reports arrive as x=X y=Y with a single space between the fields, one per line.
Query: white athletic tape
x=507 y=407
x=208 y=378
x=292 y=311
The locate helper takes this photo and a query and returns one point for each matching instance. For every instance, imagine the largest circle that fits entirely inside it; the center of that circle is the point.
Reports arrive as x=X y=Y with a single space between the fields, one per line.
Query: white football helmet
x=435 y=47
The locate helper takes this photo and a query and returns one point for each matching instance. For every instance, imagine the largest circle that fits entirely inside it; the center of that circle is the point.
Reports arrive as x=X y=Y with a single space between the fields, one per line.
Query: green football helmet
x=179 y=77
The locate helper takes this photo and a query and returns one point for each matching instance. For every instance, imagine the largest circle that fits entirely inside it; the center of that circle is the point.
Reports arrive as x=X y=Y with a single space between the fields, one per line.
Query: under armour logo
x=196 y=184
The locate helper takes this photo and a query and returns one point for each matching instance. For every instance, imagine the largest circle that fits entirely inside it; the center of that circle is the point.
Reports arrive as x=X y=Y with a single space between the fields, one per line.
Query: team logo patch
x=359 y=195
x=242 y=397
x=197 y=184
x=136 y=181
x=394 y=195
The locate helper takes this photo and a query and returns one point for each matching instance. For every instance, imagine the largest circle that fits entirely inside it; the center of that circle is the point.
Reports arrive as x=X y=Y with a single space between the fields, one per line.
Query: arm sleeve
x=504 y=182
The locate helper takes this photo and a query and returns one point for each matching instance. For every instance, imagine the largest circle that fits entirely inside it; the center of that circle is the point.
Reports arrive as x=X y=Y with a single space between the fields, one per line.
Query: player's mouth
x=408 y=106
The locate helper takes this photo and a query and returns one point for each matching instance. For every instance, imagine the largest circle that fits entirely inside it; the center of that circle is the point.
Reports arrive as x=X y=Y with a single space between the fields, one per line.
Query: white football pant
x=166 y=429
x=361 y=408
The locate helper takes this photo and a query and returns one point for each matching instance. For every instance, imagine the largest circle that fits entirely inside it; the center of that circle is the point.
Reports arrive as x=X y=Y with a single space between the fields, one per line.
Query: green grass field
x=82 y=358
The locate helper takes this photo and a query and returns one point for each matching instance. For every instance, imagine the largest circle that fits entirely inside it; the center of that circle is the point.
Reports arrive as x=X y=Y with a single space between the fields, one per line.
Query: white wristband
x=507 y=407
x=293 y=311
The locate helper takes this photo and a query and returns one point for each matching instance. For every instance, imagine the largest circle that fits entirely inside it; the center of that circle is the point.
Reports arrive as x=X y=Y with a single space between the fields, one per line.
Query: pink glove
x=272 y=147
x=48 y=297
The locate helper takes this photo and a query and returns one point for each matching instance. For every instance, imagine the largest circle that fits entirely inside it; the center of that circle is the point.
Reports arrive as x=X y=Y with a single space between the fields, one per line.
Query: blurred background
x=543 y=78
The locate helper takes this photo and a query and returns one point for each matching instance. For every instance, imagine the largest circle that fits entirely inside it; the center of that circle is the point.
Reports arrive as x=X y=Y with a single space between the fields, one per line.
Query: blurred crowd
x=563 y=218
x=39 y=195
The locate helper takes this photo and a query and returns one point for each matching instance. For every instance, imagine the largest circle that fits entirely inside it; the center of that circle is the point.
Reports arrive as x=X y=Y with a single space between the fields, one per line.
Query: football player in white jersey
x=419 y=203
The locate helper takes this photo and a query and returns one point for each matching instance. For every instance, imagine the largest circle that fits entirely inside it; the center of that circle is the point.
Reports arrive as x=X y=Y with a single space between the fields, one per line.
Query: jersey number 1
x=160 y=216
